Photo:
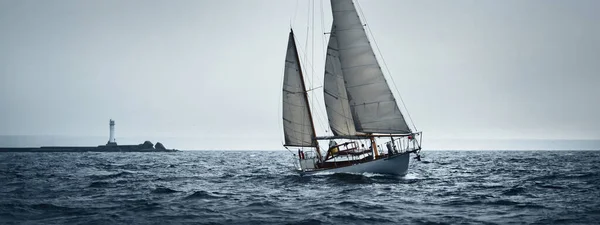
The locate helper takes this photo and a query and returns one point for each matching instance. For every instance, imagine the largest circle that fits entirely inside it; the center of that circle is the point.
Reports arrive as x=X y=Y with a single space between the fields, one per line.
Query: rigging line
x=323 y=36
x=312 y=89
x=307 y=26
x=320 y=113
x=308 y=29
x=305 y=94
x=322 y=118
x=385 y=65
x=295 y=12
x=312 y=50
x=323 y=46
x=317 y=105
x=303 y=63
x=286 y=148
x=319 y=110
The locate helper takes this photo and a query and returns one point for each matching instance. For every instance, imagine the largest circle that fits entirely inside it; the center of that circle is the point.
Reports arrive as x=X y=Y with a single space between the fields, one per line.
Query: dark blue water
x=258 y=187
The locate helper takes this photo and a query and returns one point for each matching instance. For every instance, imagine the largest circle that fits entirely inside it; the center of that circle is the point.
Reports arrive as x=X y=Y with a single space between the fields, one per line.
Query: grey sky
x=210 y=72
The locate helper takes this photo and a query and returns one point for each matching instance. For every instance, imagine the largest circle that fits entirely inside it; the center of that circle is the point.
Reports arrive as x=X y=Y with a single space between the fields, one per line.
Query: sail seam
x=299 y=132
x=359 y=66
x=341 y=114
x=330 y=94
x=292 y=104
x=292 y=122
x=353 y=28
x=294 y=92
x=361 y=85
x=369 y=103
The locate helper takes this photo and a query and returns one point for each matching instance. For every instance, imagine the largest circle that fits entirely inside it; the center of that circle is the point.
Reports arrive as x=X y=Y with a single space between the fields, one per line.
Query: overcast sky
x=210 y=72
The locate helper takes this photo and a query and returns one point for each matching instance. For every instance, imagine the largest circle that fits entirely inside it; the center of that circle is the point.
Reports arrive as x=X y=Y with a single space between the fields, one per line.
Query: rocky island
x=111 y=146
x=147 y=146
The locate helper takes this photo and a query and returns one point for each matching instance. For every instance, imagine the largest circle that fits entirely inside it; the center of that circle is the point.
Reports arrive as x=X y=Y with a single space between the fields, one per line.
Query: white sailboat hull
x=394 y=165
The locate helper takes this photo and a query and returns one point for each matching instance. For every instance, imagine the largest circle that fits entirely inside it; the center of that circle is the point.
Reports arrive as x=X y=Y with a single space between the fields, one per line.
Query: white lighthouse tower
x=111 y=139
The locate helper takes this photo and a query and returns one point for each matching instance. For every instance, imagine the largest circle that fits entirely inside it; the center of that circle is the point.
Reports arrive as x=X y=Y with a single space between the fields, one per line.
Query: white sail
x=336 y=99
x=297 y=125
x=373 y=106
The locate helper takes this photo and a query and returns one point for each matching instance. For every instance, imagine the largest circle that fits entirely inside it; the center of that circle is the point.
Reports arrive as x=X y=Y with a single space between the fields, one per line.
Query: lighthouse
x=111 y=139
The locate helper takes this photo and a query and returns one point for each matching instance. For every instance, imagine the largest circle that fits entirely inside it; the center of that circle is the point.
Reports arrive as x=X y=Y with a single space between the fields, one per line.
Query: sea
x=261 y=187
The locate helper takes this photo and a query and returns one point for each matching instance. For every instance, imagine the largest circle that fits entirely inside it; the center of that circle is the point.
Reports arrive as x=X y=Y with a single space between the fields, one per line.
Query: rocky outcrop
x=159 y=146
x=147 y=145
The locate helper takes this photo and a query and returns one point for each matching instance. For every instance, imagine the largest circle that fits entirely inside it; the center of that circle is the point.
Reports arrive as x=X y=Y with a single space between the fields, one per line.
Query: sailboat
x=361 y=108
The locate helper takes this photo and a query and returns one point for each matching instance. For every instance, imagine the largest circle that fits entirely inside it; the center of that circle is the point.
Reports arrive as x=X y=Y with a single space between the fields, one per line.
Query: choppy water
x=258 y=187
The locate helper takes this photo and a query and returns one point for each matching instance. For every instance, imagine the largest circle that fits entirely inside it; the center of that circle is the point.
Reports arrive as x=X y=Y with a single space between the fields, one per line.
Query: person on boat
x=333 y=147
x=300 y=154
x=389 y=148
x=332 y=143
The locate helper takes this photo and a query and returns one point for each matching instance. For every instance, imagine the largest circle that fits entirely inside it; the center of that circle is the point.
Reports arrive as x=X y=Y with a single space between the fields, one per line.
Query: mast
x=374 y=147
x=305 y=93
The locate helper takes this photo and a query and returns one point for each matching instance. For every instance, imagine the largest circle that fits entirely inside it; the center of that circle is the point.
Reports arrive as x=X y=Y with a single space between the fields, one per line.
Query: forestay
x=373 y=107
x=297 y=125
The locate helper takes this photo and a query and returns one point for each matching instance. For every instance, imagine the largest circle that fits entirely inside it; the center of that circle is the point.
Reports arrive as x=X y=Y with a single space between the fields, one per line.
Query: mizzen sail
x=373 y=106
x=336 y=99
x=297 y=122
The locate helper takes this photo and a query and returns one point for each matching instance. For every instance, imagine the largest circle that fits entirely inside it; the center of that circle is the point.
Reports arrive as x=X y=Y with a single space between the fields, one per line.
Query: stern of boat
x=306 y=161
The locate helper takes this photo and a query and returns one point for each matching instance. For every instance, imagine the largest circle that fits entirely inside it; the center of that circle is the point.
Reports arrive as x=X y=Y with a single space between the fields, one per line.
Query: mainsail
x=373 y=107
x=336 y=99
x=297 y=121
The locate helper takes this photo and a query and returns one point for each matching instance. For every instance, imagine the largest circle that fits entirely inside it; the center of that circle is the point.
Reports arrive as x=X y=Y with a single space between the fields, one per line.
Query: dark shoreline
x=102 y=148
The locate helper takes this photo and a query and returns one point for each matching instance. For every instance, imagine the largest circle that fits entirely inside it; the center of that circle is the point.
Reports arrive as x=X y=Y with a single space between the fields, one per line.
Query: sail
x=297 y=122
x=336 y=99
x=374 y=108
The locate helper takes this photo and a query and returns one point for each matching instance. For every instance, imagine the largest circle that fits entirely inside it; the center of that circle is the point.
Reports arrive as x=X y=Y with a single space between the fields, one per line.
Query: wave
x=530 y=206
x=361 y=217
x=110 y=176
x=515 y=190
x=551 y=186
x=349 y=178
x=306 y=222
x=262 y=204
x=99 y=184
x=163 y=190
x=143 y=205
x=502 y=202
x=585 y=175
x=49 y=206
x=348 y=203
x=202 y=195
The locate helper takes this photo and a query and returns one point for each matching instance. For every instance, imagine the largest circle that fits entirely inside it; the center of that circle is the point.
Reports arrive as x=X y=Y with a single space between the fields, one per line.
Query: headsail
x=374 y=108
x=297 y=122
x=336 y=99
